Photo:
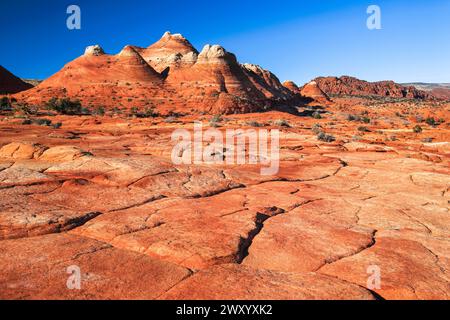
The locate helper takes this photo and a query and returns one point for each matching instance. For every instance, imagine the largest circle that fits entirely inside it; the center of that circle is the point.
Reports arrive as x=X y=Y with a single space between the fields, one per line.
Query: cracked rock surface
x=105 y=196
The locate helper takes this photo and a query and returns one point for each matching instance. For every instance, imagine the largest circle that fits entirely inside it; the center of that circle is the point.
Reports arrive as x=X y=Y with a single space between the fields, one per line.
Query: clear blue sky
x=297 y=40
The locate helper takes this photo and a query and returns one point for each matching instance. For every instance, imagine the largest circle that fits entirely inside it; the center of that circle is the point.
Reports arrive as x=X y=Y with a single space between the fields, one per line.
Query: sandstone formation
x=169 y=76
x=9 y=83
x=354 y=87
x=313 y=91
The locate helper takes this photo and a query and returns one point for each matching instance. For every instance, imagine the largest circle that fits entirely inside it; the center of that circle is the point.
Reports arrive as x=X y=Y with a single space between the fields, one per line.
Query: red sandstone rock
x=229 y=282
x=351 y=86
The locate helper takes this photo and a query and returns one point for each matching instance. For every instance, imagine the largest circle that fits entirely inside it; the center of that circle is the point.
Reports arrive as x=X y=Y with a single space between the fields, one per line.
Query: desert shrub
x=316 y=115
x=150 y=112
x=363 y=129
x=27 y=122
x=134 y=111
x=282 y=123
x=25 y=109
x=431 y=121
x=255 y=124
x=42 y=122
x=351 y=117
x=322 y=136
x=57 y=125
x=317 y=128
x=216 y=118
x=417 y=129
x=365 y=119
x=5 y=103
x=427 y=140
x=65 y=106
x=100 y=111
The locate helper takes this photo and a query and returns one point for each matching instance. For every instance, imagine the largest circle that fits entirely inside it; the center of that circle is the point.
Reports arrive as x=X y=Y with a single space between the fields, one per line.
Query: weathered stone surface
x=311 y=231
x=229 y=282
x=37 y=268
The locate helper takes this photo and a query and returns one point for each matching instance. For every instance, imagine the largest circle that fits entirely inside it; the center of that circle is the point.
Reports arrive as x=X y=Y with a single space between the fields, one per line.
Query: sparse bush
x=427 y=140
x=5 y=103
x=316 y=115
x=363 y=129
x=65 y=106
x=322 y=136
x=430 y=121
x=25 y=109
x=216 y=118
x=100 y=111
x=317 y=128
x=57 y=125
x=365 y=119
x=282 y=123
x=255 y=124
x=417 y=129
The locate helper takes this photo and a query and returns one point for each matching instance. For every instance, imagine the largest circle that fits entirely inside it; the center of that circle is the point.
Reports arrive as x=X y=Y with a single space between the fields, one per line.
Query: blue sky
x=297 y=40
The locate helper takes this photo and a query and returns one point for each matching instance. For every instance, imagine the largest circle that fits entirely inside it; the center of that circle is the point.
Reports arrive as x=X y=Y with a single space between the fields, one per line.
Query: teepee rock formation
x=291 y=86
x=170 y=76
x=9 y=83
x=312 y=90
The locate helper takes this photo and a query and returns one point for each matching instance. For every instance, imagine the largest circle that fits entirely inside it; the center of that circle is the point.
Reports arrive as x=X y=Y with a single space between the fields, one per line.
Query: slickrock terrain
x=9 y=83
x=358 y=187
x=88 y=183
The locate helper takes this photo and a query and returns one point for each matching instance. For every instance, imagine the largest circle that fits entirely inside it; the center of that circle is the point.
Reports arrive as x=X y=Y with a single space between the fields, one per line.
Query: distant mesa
x=10 y=84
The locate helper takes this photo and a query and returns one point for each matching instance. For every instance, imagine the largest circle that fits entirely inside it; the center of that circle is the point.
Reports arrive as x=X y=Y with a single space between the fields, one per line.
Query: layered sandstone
x=169 y=76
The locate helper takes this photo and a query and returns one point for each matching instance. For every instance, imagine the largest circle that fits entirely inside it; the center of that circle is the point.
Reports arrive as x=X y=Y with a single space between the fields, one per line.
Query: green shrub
x=317 y=128
x=100 y=111
x=431 y=121
x=322 y=136
x=5 y=103
x=57 y=125
x=282 y=123
x=363 y=129
x=417 y=129
x=255 y=124
x=65 y=106
x=316 y=115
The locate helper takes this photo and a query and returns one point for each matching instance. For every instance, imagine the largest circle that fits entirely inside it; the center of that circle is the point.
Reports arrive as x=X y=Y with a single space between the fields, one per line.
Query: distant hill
x=33 y=82
x=9 y=83
x=351 y=86
x=439 y=90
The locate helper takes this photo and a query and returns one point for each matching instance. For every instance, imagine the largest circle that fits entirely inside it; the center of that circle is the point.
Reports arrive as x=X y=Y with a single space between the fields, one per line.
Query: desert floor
x=102 y=194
